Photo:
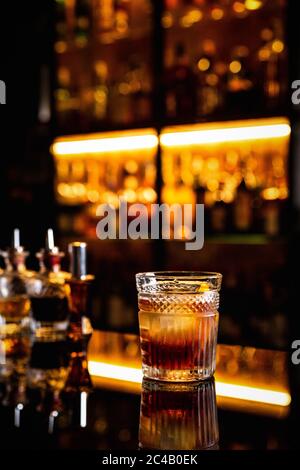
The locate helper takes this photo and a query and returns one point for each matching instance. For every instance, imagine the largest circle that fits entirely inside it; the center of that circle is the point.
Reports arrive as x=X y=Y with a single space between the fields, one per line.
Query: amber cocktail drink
x=178 y=319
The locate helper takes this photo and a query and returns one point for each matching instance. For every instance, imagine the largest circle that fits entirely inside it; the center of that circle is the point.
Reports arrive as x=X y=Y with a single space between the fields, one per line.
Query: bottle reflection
x=14 y=355
x=48 y=365
x=178 y=416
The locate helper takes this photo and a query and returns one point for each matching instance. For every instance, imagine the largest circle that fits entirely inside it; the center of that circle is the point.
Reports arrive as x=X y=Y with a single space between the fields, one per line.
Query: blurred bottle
x=66 y=99
x=140 y=88
x=121 y=18
x=14 y=300
x=180 y=87
x=200 y=198
x=100 y=92
x=104 y=11
x=199 y=190
x=240 y=84
x=219 y=221
x=61 y=26
x=129 y=99
x=83 y=22
x=270 y=57
x=120 y=108
x=48 y=294
x=209 y=82
x=243 y=208
x=271 y=217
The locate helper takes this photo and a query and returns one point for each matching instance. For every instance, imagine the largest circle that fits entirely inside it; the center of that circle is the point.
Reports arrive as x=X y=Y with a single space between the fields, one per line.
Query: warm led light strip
x=105 y=145
x=259 y=395
x=226 y=134
x=226 y=390
x=111 y=371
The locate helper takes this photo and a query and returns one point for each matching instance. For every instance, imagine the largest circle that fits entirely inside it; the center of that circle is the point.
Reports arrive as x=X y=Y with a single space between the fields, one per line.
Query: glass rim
x=181 y=275
x=179 y=282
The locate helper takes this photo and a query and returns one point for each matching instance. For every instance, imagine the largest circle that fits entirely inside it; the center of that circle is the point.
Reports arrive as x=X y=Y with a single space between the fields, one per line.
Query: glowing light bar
x=112 y=371
x=258 y=395
x=146 y=141
x=229 y=132
x=238 y=392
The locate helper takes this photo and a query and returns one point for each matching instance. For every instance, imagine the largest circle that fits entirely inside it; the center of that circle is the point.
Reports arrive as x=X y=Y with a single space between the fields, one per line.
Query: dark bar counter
x=246 y=407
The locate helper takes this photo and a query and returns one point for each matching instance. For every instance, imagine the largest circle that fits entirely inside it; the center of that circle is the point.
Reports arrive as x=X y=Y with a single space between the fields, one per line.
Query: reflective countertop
x=47 y=401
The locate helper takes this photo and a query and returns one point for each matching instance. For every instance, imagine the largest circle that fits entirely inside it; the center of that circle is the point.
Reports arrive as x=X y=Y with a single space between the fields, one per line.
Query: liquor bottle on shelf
x=271 y=212
x=104 y=13
x=83 y=22
x=14 y=301
x=200 y=197
x=209 y=82
x=48 y=294
x=219 y=216
x=121 y=17
x=119 y=104
x=243 y=208
x=141 y=87
x=180 y=87
x=66 y=99
x=270 y=55
x=199 y=190
x=61 y=26
x=240 y=85
x=100 y=91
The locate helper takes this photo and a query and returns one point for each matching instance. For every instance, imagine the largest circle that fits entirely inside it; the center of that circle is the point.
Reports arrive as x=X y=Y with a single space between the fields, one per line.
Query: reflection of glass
x=178 y=416
x=178 y=317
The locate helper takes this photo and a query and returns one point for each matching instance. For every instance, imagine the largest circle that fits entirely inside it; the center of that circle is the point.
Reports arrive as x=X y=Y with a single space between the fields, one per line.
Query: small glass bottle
x=47 y=292
x=79 y=285
x=14 y=301
x=80 y=328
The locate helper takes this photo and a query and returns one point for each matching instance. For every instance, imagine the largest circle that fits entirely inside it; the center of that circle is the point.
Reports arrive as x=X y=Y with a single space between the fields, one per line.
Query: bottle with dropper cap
x=47 y=292
x=79 y=284
x=80 y=328
x=14 y=301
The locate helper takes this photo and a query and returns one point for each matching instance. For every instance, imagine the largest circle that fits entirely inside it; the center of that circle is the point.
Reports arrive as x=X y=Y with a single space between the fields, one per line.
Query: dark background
x=27 y=198
x=27 y=169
